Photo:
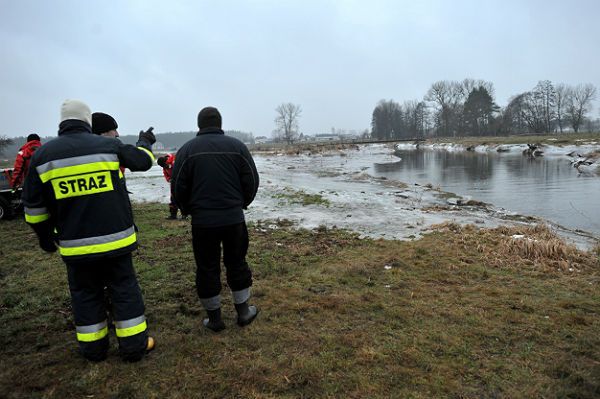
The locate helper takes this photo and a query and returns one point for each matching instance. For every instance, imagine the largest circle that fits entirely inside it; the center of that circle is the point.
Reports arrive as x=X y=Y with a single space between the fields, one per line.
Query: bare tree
x=387 y=121
x=287 y=121
x=563 y=94
x=545 y=98
x=442 y=94
x=4 y=142
x=514 y=118
x=468 y=85
x=580 y=104
x=448 y=98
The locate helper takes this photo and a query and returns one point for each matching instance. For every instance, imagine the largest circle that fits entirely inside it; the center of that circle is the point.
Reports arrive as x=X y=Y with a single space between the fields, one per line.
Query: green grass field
x=461 y=313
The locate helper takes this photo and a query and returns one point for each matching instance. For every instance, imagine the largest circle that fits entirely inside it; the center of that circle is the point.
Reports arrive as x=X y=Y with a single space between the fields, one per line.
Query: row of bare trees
x=4 y=142
x=548 y=109
x=468 y=108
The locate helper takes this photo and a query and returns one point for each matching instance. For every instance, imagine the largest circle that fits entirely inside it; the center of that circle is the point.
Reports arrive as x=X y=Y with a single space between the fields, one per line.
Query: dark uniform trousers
x=207 y=252
x=172 y=206
x=86 y=283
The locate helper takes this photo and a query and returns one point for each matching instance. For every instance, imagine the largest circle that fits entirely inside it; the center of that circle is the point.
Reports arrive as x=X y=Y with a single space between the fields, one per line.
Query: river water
x=373 y=192
x=547 y=186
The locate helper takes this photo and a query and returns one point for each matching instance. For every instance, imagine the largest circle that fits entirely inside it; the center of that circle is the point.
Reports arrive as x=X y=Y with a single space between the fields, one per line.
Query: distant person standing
x=75 y=200
x=23 y=159
x=214 y=179
x=166 y=163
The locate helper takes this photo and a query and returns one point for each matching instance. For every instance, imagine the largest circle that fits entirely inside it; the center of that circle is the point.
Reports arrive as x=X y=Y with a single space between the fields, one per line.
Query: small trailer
x=10 y=200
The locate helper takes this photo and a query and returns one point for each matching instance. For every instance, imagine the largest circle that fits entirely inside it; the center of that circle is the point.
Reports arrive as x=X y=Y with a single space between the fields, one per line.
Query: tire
x=5 y=209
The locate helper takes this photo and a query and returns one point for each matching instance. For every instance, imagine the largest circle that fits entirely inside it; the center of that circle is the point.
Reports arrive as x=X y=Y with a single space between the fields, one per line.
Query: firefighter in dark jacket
x=214 y=179
x=75 y=199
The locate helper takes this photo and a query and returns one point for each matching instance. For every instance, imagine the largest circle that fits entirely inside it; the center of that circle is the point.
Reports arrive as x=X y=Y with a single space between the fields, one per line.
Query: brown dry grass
x=462 y=312
x=536 y=246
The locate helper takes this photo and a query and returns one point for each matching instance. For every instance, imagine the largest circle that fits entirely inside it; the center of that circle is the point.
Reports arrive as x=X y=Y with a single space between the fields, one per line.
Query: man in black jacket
x=75 y=198
x=214 y=179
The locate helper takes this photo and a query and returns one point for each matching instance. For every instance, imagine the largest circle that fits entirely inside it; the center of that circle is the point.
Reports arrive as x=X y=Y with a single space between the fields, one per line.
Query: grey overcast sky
x=159 y=62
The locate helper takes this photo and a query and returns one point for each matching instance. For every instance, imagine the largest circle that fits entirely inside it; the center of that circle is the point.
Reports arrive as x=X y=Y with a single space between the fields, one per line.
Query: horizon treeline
x=468 y=108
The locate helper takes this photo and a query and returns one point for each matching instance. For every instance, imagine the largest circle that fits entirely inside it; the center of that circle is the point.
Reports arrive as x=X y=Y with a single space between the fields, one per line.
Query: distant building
x=261 y=139
x=327 y=137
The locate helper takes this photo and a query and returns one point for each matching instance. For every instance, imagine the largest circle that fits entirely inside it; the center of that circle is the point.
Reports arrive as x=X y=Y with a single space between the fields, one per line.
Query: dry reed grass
x=536 y=247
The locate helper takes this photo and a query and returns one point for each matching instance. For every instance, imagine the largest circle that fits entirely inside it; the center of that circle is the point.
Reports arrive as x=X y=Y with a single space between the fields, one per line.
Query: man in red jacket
x=166 y=162
x=23 y=158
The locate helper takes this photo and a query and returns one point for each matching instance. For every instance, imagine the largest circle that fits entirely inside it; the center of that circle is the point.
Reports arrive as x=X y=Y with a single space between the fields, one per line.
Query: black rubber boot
x=214 y=321
x=246 y=314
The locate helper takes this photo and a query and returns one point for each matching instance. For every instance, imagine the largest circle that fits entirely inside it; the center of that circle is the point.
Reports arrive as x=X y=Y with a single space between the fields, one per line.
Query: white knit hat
x=75 y=109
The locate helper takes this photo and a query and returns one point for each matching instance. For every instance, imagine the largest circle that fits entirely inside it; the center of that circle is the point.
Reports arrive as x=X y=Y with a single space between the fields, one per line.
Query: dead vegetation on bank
x=535 y=247
x=305 y=148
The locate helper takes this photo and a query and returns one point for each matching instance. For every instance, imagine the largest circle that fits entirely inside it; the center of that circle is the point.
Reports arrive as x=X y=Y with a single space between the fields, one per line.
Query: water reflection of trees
x=447 y=166
x=545 y=186
x=537 y=168
x=444 y=165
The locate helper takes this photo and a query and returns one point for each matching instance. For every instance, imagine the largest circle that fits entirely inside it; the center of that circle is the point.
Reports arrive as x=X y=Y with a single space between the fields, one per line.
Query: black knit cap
x=102 y=123
x=32 y=137
x=209 y=117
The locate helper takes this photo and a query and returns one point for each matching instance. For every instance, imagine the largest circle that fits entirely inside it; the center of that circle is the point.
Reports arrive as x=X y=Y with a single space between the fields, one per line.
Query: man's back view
x=75 y=197
x=214 y=179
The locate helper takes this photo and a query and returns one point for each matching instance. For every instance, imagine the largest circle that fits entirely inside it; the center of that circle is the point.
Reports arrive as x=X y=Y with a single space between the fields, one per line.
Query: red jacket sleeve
x=19 y=170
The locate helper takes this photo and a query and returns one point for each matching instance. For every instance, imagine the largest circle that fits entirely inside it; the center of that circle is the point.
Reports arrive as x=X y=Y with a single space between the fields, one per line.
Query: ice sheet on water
x=354 y=198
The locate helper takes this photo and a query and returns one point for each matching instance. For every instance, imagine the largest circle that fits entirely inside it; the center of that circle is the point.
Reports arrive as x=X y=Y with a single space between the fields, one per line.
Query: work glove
x=47 y=244
x=148 y=136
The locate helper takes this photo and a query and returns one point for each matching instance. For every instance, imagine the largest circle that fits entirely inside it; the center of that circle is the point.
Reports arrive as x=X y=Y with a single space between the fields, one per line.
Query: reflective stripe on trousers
x=127 y=328
x=94 y=332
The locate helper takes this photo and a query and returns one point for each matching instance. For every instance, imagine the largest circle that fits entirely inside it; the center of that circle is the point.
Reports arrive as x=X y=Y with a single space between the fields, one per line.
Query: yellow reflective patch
x=128 y=332
x=78 y=169
x=36 y=218
x=74 y=186
x=91 y=337
x=97 y=248
x=150 y=154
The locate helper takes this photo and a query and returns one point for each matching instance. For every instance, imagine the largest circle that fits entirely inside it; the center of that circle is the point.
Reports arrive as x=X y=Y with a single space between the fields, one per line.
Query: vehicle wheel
x=5 y=211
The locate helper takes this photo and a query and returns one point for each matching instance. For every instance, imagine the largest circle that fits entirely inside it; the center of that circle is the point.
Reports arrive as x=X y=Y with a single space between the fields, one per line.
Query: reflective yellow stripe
x=97 y=248
x=128 y=332
x=36 y=218
x=94 y=336
x=78 y=169
x=150 y=154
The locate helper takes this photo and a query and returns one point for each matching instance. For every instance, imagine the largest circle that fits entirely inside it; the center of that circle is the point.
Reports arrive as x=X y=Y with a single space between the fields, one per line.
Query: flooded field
x=371 y=191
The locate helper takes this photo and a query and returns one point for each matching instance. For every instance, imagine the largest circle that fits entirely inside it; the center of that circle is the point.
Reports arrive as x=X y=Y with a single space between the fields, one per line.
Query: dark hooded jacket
x=214 y=179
